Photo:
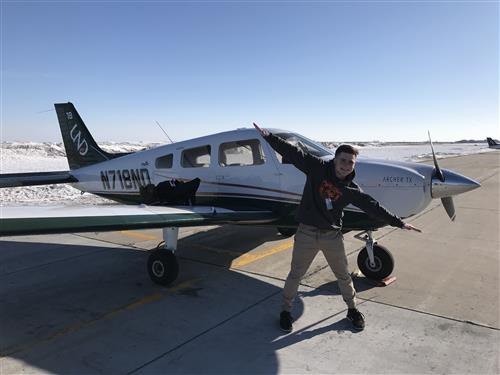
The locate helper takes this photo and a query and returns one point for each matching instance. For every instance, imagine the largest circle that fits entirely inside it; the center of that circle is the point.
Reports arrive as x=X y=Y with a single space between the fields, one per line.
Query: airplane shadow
x=84 y=301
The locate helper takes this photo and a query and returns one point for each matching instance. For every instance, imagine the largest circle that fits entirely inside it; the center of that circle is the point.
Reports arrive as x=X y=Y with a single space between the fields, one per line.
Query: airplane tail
x=81 y=148
x=491 y=142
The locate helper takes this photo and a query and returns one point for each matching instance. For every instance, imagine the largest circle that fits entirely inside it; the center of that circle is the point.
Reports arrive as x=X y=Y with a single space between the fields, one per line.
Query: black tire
x=287 y=232
x=163 y=267
x=384 y=263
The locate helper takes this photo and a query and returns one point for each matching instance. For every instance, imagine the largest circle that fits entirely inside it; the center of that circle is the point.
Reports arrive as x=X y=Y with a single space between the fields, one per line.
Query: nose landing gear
x=374 y=261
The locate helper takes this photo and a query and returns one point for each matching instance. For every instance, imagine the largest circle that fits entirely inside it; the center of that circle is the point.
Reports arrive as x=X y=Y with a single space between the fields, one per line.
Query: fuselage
x=239 y=169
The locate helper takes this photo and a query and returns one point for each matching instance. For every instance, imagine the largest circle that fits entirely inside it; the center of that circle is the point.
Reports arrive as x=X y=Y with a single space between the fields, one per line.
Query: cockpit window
x=305 y=144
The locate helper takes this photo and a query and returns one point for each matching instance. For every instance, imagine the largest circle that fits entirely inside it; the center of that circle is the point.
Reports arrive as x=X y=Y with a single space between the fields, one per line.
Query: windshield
x=305 y=144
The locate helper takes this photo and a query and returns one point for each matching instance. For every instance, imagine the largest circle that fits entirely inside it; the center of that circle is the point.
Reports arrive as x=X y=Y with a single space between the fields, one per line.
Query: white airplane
x=230 y=177
x=492 y=143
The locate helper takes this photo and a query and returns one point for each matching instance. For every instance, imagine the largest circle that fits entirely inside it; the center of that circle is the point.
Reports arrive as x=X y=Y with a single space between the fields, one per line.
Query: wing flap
x=26 y=220
x=35 y=178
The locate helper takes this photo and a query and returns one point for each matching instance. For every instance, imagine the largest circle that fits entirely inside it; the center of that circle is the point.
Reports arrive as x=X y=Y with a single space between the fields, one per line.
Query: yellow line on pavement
x=252 y=257
x=139 y=235
x=214 y=250
x=83 y=324
x=151 y=298
x=240 y=261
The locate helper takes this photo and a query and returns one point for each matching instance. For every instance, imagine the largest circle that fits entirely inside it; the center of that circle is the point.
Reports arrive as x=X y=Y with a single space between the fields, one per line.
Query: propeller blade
x=437 y=170
x=449 y=207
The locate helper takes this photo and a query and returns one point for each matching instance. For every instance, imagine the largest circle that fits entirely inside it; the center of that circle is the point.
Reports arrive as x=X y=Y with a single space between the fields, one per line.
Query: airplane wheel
x=287 y=232
x=384 y=263
x=163 y=267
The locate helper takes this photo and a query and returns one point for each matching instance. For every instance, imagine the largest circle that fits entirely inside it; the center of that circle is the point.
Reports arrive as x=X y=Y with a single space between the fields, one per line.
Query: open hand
x=411 y=227
x=263 y=132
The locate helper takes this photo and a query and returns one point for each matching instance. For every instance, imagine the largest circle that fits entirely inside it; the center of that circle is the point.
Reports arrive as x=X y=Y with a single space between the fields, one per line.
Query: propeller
x=449 y=207
x=446 y=201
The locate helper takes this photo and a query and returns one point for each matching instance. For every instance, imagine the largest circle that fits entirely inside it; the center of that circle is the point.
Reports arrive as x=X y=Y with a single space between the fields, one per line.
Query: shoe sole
x=285 y=329
x=353 y=326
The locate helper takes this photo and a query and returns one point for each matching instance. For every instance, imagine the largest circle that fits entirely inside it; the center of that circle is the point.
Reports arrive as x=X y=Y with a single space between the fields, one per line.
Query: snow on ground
x=421 y=151
x=18 y=157
x=39 y=157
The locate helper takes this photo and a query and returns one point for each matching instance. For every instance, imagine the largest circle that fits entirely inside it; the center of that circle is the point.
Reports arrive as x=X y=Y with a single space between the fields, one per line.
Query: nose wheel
x=382 y=265
x=375 y=261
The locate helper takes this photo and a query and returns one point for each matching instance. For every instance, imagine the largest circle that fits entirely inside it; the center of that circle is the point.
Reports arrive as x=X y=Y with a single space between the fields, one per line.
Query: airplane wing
x=35 y=178
x=26 y=220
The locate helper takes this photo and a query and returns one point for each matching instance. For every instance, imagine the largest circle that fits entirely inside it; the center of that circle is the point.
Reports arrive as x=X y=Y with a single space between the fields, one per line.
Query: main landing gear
x=374 y=261
x=163 y=267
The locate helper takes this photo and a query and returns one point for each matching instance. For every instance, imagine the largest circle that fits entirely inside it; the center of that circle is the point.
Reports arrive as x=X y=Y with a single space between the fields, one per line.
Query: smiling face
x=344 y=164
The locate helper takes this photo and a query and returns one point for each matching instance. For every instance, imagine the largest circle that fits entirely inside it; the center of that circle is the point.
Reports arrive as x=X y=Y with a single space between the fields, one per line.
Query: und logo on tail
x=76 y=136
x=81 y=148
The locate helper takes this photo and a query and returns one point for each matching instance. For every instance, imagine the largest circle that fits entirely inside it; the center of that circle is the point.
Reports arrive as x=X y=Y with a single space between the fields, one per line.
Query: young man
x=328 y=189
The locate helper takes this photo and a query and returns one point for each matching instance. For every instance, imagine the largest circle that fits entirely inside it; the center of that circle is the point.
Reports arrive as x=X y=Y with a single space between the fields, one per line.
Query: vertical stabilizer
x=492 y=143
x=81 y=148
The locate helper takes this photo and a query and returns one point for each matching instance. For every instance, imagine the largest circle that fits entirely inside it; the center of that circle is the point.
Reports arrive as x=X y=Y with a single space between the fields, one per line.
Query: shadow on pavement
x=79 y=308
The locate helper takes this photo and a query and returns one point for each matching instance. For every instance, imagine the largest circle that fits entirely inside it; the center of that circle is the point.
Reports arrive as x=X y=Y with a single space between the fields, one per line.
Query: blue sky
x=329 y=70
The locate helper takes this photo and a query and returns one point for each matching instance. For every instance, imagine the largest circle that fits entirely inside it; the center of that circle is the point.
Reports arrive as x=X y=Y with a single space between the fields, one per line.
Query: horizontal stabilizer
x=35 y=178
x=21 y=220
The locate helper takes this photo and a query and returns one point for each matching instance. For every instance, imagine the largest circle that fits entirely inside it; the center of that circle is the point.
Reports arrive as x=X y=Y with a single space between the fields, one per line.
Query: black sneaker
x=286 y=321
x=357 y=319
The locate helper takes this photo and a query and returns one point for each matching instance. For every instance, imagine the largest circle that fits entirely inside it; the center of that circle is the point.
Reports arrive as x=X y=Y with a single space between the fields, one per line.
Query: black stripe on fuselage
x=235 y=185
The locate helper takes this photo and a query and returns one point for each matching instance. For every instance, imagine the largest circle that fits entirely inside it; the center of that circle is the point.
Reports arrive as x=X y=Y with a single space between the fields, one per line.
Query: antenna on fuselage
x=47 y=110
x=170 y=139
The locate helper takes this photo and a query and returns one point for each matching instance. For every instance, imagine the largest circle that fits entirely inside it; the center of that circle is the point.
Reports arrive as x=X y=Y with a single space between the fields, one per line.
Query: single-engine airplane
x=230 y=177
x=492 y=143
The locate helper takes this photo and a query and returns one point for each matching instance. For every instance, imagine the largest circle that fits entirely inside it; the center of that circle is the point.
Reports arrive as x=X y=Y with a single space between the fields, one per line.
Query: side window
x=196 y=157
x=239 y=153
x=164 y=162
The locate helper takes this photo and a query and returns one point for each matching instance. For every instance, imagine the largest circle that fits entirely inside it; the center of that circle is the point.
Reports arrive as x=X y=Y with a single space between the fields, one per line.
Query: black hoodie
x=323 y=189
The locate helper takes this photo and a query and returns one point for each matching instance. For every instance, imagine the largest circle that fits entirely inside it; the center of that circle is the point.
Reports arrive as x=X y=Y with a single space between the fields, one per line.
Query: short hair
x=347 y=149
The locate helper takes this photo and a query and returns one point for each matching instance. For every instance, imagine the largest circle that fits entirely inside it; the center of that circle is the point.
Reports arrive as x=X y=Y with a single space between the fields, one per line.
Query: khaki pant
x=308 y=241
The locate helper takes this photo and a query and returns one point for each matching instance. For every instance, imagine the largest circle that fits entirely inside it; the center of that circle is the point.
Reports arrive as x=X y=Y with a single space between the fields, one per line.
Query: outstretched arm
x=411 y=227
x=263 y=132
x=302 y=160
x=373 y=208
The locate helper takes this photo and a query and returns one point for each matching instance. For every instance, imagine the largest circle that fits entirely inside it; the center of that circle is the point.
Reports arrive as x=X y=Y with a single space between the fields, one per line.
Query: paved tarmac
x=84 y=304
